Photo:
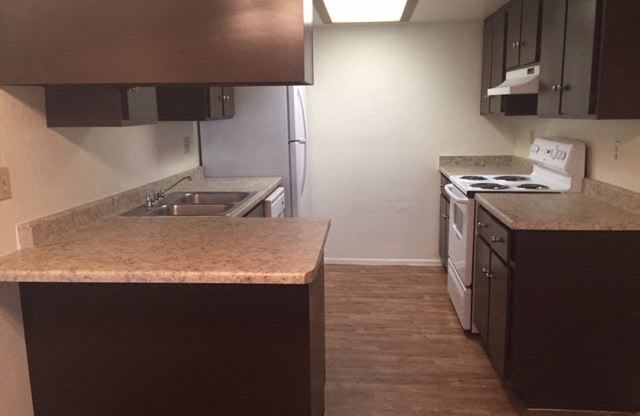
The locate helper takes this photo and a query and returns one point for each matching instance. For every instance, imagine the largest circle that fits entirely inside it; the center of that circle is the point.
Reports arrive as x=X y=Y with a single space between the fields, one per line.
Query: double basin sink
x=194 y=204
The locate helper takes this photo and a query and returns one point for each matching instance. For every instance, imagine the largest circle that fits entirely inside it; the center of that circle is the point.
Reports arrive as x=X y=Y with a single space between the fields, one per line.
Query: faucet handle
x=149 y=200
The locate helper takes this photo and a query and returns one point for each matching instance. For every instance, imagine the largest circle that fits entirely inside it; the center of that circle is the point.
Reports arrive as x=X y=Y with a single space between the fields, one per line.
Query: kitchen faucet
x=153 y=198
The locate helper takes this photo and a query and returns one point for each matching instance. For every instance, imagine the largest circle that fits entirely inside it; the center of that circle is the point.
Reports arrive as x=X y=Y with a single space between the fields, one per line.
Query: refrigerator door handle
x=303 y=112
x=304 y=170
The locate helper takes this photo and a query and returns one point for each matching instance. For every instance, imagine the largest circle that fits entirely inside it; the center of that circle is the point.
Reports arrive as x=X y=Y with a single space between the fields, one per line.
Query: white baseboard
x=383 y=262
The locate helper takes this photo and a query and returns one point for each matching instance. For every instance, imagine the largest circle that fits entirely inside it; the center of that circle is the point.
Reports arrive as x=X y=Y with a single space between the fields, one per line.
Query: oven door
x=461 y=220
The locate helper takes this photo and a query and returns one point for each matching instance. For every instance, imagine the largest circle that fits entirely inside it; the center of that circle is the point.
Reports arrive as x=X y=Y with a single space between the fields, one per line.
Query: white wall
x=602 y=138
x=388 y=100
x=52 y=170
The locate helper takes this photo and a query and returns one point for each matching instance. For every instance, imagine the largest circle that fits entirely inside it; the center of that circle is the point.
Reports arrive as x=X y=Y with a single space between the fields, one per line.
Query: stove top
x=471 y=184
x=558 y=166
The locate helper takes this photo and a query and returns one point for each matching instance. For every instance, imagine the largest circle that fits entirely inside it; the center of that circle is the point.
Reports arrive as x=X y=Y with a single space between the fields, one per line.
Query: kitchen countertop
x=198 y=250
x=484 y=165
x=559 y=212
x=41 y=230
x=92 y=244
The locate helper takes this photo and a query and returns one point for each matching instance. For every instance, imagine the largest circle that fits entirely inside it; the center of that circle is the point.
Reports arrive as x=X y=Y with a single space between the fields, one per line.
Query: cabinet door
x=514 y=24
x=228 y=102
x=486 y=65
x=551 y=56
x=497 y=59
x=183 y=103
x=481 y=288
x=530 y=32
x=499 y=301
x=216 y=102
x=578 y=57
x=140 y=106
x=444 y=230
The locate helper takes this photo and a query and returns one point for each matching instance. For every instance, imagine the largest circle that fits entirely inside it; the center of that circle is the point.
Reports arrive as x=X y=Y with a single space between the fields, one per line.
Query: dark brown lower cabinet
x=491 y=303
x=498 y=313
x=559 y=317
x=443 y=244
x=175 y=349
x=481 y=289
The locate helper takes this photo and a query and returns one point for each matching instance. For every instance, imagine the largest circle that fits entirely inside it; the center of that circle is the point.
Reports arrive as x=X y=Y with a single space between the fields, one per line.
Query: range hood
x=519 y=81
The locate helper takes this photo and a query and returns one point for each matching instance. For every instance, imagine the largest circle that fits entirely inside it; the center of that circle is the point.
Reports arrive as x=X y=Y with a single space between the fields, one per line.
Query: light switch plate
x=5 y=184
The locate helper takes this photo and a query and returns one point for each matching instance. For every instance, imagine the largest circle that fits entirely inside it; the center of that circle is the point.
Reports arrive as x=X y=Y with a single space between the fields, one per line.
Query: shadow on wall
x=116 y=149
x=10 y=314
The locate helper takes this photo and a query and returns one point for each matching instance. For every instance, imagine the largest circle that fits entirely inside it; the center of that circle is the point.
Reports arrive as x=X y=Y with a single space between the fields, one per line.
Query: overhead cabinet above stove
x=587 y=52
x=590 y=59
x=142 y=42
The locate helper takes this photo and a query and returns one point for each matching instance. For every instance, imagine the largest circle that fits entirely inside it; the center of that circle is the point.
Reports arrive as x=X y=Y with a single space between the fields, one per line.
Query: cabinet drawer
x=494 y=233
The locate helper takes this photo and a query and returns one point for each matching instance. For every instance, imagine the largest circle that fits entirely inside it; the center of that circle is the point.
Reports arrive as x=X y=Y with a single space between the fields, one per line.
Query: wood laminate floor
x=395 y=347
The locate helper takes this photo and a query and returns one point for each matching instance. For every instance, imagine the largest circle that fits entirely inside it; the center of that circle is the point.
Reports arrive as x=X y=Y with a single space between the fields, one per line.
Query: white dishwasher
x=274 y=204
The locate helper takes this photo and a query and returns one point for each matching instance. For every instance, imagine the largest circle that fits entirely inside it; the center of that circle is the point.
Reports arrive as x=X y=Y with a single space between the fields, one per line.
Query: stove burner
x=474 y=178
x=511 y=178
x=535 y=186
x=487 y=185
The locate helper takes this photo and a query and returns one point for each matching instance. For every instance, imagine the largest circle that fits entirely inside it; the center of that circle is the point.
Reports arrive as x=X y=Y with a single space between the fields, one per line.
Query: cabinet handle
x=444 y=216
x=490 y=275
x=485 y=270
x=554 y=88
x=495 y=239
x=482 y=225
x=514 y=45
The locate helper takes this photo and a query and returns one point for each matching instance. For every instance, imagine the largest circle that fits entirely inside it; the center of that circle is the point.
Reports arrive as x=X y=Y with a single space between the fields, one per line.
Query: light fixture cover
x=360 y=11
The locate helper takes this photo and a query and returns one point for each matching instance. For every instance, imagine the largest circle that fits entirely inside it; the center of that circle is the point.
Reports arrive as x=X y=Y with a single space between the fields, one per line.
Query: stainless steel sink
x=210 y=197
x=186 y=210
x=194 y=204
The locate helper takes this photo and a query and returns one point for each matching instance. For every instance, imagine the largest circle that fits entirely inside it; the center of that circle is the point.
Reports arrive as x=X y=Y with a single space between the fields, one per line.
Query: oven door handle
x=451 y=191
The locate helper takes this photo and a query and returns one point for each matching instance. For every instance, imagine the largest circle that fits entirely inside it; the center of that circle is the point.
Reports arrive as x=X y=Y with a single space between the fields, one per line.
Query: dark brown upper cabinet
x=195 y=103
x=494 y=71
x=100 y=106
x=487 y=52
x=141 y=42
x=589 y=62
x=523 y=32
x=497 y=59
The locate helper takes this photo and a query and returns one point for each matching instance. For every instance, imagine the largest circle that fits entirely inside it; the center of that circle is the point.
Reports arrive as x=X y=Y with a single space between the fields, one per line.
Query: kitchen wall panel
x=613 y=146
x=388 y=100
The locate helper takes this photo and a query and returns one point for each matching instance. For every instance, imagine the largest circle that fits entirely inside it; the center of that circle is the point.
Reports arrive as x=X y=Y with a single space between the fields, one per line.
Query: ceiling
x=449 y=10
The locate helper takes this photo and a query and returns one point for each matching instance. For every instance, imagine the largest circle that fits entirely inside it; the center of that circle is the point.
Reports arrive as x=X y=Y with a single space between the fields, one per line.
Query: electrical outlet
x=5 y=184
x=187 y=145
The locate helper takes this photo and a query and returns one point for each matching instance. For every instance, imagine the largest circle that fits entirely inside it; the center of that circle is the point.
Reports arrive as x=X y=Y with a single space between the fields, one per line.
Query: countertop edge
x=566 y=226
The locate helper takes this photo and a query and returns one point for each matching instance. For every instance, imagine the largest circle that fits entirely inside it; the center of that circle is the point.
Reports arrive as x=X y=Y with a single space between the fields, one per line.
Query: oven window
x=458 y=219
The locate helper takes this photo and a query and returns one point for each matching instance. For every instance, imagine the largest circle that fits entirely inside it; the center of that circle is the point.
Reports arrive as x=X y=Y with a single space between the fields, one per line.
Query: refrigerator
x=267 y=137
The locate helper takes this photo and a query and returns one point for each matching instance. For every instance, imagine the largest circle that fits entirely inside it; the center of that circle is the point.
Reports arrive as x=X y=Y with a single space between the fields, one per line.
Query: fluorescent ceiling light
x=359 y=11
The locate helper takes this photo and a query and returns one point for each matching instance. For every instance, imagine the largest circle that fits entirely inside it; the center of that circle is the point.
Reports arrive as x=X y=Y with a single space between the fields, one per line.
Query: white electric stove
x=558 y=166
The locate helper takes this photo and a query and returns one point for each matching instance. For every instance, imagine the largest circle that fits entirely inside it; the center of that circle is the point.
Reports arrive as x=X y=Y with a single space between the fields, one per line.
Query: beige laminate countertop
x=484 y=165
x=560 y=212
x=199 y=250
x=91 y=244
